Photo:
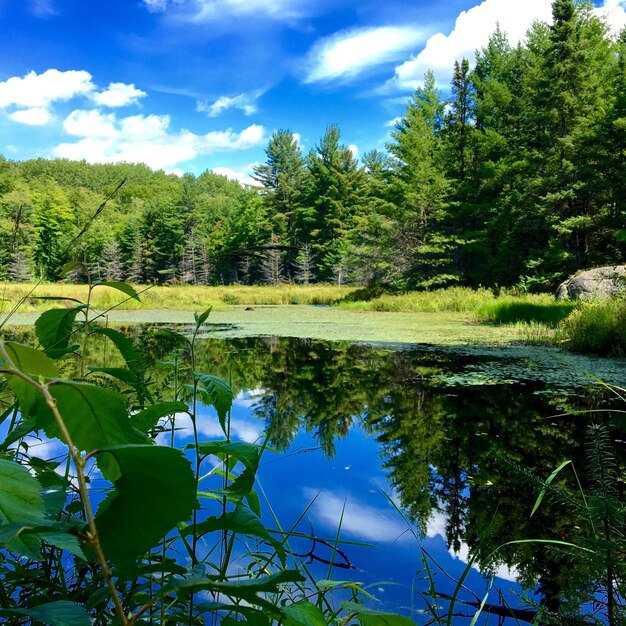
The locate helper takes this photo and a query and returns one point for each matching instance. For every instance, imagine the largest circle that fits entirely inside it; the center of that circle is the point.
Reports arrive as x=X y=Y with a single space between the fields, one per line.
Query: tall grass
x=596 y=328
x=539 y=308
x=454 y=299
x=186 y=297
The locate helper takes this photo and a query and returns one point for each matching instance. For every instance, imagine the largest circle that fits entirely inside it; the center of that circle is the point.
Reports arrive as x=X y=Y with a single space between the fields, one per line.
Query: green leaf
x=121 y=373
x=246 y=589
x=247 y=453
x=21 y=430
x=148 y=418
x=20 y=495
x=200 y=318
x=34 y=363
x=156 y=490
x=25 y=539
x=305 y=614
x=253 y=616
x=242 y=521
x=54 y=329
x=216 y=392
x=69 y=266
x=30 y=361
x=547 y=484
x=59 y=613
x=132 y=356
x=370 y=617
x=95 y=417
x=16 y=538
x=120 y=286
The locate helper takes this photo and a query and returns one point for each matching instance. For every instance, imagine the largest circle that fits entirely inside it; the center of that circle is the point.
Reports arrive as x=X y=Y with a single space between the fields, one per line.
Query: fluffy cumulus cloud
x=243 y=101
x=215 y=10
x=614 y=11
x=473 y=29
x=118 y=95
x=31 y=98
x=37 y=116
x=41 y=90
x=347 y=54
x=242 y=176
x=103 y=138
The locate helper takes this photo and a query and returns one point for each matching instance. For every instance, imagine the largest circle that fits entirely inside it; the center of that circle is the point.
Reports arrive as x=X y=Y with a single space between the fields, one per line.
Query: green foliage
x=511 y=311
x=154 y=490
x=596 y=328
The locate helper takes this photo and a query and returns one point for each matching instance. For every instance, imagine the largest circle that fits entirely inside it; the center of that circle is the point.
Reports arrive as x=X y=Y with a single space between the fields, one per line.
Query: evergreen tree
x=53 y=223
x=111 y=262
x=304 y=265
x=334 y=200
x=283 y=179
x=418 y=247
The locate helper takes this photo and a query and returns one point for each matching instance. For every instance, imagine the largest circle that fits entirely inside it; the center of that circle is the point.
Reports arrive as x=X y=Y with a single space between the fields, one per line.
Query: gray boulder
x=599 y=283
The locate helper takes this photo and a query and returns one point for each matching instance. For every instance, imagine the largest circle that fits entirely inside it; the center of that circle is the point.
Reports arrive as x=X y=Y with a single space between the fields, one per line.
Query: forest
x=512 y=177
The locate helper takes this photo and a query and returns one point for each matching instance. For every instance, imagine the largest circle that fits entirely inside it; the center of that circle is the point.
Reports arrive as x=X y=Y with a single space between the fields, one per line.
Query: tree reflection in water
x=464 y=454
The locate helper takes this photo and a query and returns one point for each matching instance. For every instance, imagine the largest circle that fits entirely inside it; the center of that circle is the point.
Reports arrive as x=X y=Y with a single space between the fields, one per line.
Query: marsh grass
x=596 y=328
x=535 y=309
x=453 y=299
x=181 y=297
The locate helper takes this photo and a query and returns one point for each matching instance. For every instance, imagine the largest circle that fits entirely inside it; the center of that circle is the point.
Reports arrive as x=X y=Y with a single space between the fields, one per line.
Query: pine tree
x=283 y=179
x=111 y=263
x=18 y=271
x=303 y=265
x=334 y=200
x=420 y=190
x=272 y=266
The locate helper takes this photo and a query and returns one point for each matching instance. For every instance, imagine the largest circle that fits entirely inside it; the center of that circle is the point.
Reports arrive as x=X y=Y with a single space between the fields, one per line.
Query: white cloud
x=90 y=124
x=354 y=149
x=37 y=116
x=392 y=123
x=242 y=101
x=347 y=54
x=360 y=520
x=118 y=95
x=472 y=31
x=614 y=12
x=243 y=177
x=155 y=6
x=145 y=139
x=215 y=10
x=41 y=90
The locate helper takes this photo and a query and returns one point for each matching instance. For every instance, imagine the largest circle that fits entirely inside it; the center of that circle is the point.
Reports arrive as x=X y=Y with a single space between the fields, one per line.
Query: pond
x=427 y=454
x=452 y=435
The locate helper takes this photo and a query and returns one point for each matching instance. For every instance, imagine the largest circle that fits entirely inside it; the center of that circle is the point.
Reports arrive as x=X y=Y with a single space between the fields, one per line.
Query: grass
x=535 y=309
x=180 y=297
x=596 y=328
x=454 y=299
x=442 y=316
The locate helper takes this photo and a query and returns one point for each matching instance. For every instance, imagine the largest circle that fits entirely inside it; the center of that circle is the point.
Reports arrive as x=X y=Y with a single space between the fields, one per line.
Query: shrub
x=596 y=328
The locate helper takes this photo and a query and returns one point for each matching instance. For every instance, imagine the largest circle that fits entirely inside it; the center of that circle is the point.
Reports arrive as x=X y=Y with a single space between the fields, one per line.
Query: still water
x=451 y=436
x=419 y=458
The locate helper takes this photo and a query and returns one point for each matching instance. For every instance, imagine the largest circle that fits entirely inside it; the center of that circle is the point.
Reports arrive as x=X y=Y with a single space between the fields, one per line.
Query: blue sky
x=191 y=85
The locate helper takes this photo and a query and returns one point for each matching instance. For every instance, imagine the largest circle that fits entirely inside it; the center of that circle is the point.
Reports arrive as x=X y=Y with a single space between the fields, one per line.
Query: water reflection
x=460 y=457
x=460 y=434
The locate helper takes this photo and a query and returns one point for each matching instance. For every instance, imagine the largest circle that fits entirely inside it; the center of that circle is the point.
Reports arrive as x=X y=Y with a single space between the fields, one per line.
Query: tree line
x=513 y=178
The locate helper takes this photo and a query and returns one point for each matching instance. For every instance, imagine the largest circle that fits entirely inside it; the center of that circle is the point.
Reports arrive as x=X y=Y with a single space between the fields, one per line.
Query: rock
x=599 y=283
